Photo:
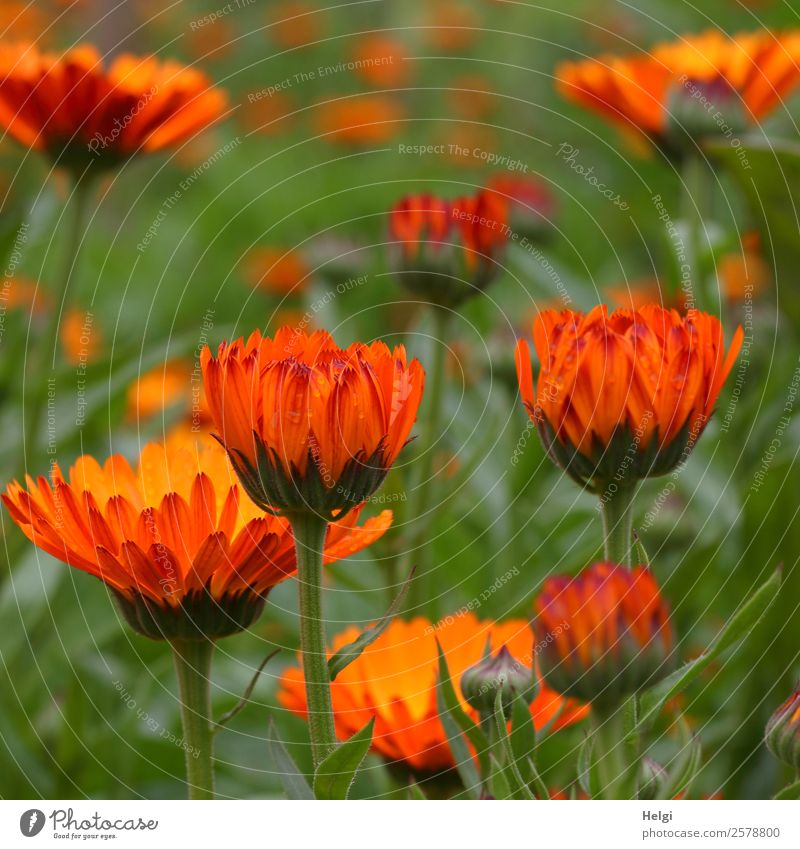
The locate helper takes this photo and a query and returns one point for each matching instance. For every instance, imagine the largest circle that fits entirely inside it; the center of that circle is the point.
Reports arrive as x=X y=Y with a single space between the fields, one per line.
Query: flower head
x=699 y=85
x=623 y=396
x=605 y=632
x=308 y=425
x=394 y=680
x=448 y=251
x=500 y=672
x=185 y=554
x=783 y=731
x=530 y=203
x=80 y=113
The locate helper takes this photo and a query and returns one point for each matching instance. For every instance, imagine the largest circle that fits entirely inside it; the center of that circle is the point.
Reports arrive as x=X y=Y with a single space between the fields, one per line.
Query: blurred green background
x=277 y=179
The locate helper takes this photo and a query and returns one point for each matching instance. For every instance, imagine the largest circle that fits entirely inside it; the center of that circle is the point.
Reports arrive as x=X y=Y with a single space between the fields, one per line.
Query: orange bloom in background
x=394 y=680
x=167 y=385
x=472 y=96
x=636 y=294
x=184 y=552
x=530 y=202
x=744 y=75
x=648 y=378
x=745 y=274
x=309 y=425
x=363 y=119
x=278 y=271
x=448 y=251
x=215 y=42
x=23 y=21
x=294 y=24
x=76 y=110
x=268 y=116
x=380 y=60
x=23 y=294
x=81 y=339
x=450 y=25
x=609 y=632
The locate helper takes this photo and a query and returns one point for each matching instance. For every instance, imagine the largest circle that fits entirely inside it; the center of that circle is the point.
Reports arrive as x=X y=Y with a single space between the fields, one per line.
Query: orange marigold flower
x=160 y=388
x=79 y=112
x=448 y=251
x=472 y=96
x=783 y=731
x=279 y=271
x=744 y=274
x=451 y=25
x=294 y=23
x=184 y=553
x=742 y=77
x=81 y=339
x=308 y=425
x=381 y=60
x=623 y=396
x=394 y=680
x=363 y=119
x=604 y=634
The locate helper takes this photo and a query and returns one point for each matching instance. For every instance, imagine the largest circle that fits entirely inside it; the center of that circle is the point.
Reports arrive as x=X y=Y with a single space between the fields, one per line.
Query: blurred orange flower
x=22 y=21
x=279 y=271
x=267 y=116
x=294 y=23
x=639 y=293
x=162 y=387
x=744 y=274
x=308 y=425
x=71 y=107
x=364 y=119
x=81 y=339
x=380 y=60
x=451 y=25
x=750 y=72
x=471 y=96
x=394 y=680
x=20 y=293
x=647 y=379
x=173 y=538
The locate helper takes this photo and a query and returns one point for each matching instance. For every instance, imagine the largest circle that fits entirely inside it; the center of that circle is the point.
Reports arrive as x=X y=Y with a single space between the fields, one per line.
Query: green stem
x=608 y=733
x=193 y=666
x=617 y=510
x=45 y=357
x=696 y=196
x=430 y=430
x=309 y=537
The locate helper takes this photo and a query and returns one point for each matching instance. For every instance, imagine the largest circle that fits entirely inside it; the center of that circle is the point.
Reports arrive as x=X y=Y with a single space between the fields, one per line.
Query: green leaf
x=588 y=777
x=790 y=792
x=451 y=705
x=739 y=625
x=348 y=653
x=294 y=782
x=517 y=784
x=522 y=737
x=498 y=783
x=335 y=774
x=470 y=777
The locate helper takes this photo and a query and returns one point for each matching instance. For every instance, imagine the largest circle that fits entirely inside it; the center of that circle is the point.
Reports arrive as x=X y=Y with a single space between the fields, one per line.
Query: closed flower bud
x=481 y=682
x=624 y=395
x=608 y=633
x=783 y=731
x=446 y=252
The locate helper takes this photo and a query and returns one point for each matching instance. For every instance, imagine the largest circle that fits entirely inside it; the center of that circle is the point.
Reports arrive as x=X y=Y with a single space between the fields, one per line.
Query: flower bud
x=782 y=734
x=607 y=633
x=481 y=682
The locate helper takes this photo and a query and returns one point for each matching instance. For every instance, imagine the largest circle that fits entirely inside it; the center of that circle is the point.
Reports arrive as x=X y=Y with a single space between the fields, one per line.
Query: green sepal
x=335 y=774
